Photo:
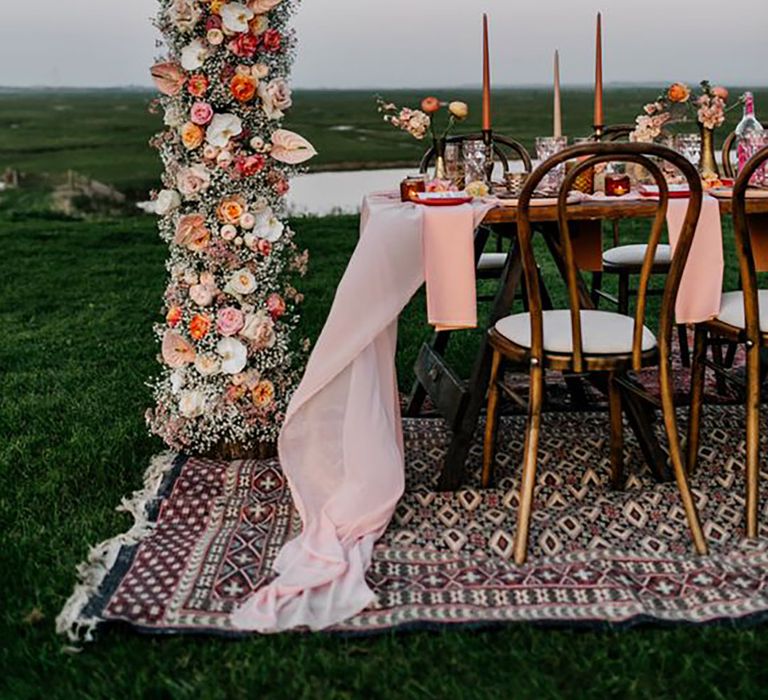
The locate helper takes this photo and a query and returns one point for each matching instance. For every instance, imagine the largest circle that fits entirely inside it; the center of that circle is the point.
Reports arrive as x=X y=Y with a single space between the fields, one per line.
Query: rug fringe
x=91 y=573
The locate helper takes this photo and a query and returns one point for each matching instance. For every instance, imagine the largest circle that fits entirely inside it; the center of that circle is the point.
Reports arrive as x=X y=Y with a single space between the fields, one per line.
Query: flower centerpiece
x=228 y=358
x=420 y=122
x=679 y=104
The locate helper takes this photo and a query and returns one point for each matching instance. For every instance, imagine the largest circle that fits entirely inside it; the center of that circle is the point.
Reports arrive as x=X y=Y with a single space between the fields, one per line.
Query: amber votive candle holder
x=617 y=184
x=411 y=186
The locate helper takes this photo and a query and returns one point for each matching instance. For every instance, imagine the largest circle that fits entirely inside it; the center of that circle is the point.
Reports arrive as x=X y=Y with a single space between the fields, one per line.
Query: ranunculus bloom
x=271 y=40
x=197 y=85
x=291 y=148
x=259 y=329
x=231 y=209
x=264 y=394
x=191 y=136
x=199 y=326
x=201 y=113
x=250 y=165
x=228 y=232
x=222 y=128
x=460 y=110
x=166 y=202
x=243 y=88
x=168 y=77
x=192 y=404
x=215 y=37
x=192 y=233
x=244 y=45
x=678 y=92
x=275 y=305
x=234 y=355
x=194 y=54
x=229 y=321
x=235 y=17
x=173 y=317
x=176 y=350
x=430 y=105
x=242 y=282
x=193 y=180
x=247 y=221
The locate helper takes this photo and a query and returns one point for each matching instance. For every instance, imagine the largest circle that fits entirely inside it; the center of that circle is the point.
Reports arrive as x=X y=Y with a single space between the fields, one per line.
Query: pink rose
x=201 y=113
x=275 y=306
x=193 y=180
x=202 y=294
x=229 y=321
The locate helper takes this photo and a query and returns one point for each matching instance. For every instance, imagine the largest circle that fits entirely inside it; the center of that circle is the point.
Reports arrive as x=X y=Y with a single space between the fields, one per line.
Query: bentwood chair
x=581 y=339
x=727 y=153
x=743 y=318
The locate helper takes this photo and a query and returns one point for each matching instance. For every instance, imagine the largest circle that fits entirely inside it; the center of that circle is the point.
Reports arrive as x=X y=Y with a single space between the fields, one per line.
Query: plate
x=675 y=191
x=727 y=193
x=442 y=199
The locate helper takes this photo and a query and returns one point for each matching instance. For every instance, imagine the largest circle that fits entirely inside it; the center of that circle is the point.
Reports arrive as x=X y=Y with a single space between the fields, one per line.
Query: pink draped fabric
x=701 y=286
x=341 y=444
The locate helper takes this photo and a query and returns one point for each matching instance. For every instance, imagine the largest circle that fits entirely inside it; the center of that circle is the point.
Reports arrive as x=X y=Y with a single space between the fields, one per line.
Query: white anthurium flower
x=166 y=202
x=192 y=404
x=194 y=54
x=234 y=355
x=235 y=17
x=268 y=226
x=177 y=381
x=222 y=128
x=207 y=365
x=241 y=283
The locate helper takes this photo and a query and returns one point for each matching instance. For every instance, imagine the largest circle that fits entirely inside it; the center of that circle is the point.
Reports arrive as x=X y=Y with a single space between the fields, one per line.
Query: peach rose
x=231 y=209
x=191 y=136
x=199 y=326
x=678 y=92
x=264 y=394
x=192 y=233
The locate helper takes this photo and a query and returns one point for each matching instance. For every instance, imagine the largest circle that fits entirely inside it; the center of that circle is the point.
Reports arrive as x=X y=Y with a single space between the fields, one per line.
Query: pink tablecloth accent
x=341 y=443
x=701 y=286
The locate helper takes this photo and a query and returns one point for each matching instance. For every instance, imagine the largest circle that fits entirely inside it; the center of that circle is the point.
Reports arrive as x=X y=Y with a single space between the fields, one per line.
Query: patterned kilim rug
x=207 y=533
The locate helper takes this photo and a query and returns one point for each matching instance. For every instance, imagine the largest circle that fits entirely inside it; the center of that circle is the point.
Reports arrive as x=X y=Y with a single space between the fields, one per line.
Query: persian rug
x=206 y=534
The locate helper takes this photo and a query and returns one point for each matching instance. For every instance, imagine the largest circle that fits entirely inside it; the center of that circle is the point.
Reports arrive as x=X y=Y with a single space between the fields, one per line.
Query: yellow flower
x=460 y=110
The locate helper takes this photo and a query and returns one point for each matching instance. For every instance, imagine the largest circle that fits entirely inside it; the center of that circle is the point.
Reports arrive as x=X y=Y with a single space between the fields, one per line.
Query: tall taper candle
x=599 y=117
x=558 y=107
x=486 y=78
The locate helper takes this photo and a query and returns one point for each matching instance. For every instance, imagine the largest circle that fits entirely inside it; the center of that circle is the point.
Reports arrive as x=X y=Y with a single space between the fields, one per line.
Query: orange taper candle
x=558 y=116
x=599 y=117
x=486 y=78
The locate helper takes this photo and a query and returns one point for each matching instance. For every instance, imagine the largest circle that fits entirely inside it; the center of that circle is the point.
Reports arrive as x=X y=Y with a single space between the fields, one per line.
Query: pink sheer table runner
x=341 y=444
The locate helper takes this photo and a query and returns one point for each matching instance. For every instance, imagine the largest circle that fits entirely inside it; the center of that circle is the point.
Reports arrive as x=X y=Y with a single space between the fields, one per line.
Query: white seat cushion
x=602 y=332
x=732 y=309
x=492 y=261
x=634 y=255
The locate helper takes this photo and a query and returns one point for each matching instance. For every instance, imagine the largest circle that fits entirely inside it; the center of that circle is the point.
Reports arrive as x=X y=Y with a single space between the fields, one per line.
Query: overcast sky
x=409 y=43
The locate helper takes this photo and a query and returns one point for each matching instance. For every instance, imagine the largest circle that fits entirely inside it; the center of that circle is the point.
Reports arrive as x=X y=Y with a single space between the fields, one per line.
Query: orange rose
x=199 y=326
x=243 y=88
x=678 y=92
x=264 y=394
x=230 y=210
x=430 y=105
x=173 y=316
x=191 y=136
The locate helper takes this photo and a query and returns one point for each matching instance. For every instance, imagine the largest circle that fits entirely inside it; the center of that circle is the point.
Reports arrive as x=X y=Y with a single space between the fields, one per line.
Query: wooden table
x=461 y=403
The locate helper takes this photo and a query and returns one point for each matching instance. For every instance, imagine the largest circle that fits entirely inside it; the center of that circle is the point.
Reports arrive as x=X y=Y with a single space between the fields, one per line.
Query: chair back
x=502 y=146
x=744 y=252
x=588 y=156
x=617 y=132
x=728 y=144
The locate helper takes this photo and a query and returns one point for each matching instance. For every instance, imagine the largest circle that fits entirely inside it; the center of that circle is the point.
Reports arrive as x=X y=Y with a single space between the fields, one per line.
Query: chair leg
x=623 y=293
x=675 y=456
x=617 y=433
x=753 y=438
x=530 y=455
x=698 y=371
x=685 y=353
x=597 y=286
x=491 y=421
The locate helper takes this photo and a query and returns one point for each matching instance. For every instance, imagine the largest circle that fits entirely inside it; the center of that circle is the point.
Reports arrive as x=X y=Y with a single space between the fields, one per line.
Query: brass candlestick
x=488 y=141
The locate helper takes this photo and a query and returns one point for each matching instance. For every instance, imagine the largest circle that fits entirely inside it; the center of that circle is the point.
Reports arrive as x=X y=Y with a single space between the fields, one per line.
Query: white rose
x=235 y=17
x=268 y=226
x=207 y=365
x=234 y=355
x=193 y=55
x=247 y=221
x=242 y=282
x=167 y=201
x=192 y=404
x=275 y=97
x=259 y=329
x=222 y=128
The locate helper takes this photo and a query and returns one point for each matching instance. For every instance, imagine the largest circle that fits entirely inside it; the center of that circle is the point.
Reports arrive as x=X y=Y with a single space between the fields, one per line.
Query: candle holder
x=617 y=184
x=488 y=145
x=411 y=186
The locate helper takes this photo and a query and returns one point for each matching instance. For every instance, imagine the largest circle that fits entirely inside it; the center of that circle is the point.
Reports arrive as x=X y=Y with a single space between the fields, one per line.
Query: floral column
x=229 y=360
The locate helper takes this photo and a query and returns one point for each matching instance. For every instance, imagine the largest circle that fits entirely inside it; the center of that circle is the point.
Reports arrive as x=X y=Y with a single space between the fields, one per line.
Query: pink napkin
x=702 y=283
x=341 y=443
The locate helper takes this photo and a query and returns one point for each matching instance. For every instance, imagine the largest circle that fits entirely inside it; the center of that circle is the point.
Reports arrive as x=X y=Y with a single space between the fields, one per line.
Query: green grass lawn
x=78 y=302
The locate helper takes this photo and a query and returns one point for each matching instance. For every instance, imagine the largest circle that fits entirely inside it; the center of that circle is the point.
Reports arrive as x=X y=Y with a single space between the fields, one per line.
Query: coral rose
x=199 y=326
x=191 y=136
x=721 y=92
x=198 y=85
x=430 y=105
x=678 y=92
x=243 y=88
x=272 y=40
x=192 y=233
x=250 y=165
x=275 y=306
x=244 y=45
x=231 y=209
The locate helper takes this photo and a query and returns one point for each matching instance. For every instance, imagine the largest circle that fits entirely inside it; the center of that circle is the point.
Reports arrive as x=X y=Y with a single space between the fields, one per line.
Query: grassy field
x=104 y=134
x=79 y=300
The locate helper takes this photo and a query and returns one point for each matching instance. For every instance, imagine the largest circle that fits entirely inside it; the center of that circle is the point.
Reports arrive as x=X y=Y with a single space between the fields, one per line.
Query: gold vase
x=440 y=171
x=708 y=164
